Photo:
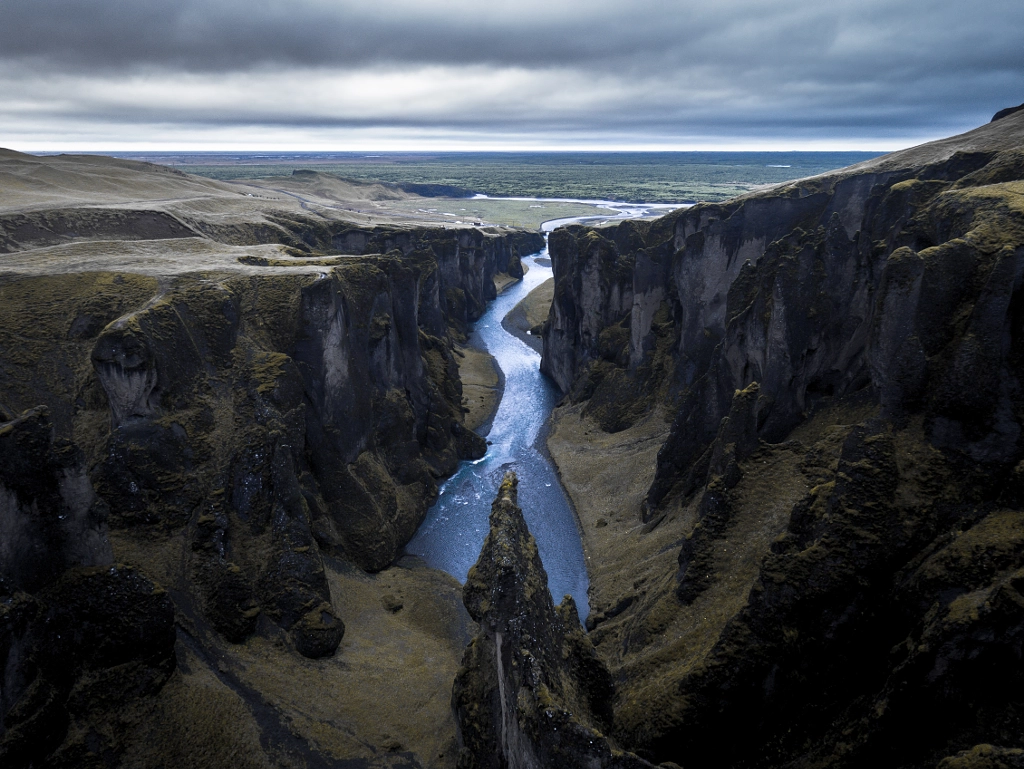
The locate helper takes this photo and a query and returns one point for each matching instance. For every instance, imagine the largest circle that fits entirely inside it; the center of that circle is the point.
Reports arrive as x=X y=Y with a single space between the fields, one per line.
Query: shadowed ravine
x=792 y=437
x=454 y=530
x=455 y=527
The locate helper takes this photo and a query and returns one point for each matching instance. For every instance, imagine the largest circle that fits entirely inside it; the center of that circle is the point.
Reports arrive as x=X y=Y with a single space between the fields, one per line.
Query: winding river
x=453 y=532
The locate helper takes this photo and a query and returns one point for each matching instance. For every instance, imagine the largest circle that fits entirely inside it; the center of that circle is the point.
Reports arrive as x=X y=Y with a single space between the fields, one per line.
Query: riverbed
x=453 y=532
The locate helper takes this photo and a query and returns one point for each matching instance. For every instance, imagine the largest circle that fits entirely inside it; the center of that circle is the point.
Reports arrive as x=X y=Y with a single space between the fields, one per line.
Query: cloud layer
x=338 y=74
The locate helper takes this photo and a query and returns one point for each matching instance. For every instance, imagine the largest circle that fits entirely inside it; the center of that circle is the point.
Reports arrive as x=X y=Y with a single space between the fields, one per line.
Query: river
x=453 y=532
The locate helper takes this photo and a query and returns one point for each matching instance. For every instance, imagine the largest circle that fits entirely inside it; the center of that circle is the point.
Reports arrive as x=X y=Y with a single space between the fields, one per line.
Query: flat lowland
x=651 y=177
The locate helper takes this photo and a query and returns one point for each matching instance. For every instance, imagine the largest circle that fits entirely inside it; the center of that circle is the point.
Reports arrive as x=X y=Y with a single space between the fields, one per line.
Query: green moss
x=617 y=397
x=984 y=757
x=317 y=261
x=992 y=215
x=267 y=368
x=974 y=558
x=47 y=328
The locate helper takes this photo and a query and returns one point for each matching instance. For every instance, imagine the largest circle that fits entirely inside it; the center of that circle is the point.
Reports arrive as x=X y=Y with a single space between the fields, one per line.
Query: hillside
x=222 y=415
x=793 y=433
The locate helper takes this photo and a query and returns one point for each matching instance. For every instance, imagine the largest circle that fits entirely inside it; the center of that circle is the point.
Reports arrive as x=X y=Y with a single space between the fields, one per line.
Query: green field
x=655 y=177
x=517 y=213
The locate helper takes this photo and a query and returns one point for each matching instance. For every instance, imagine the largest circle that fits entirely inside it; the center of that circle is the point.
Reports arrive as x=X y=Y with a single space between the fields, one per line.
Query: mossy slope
x=241 y=428
x=858 y=334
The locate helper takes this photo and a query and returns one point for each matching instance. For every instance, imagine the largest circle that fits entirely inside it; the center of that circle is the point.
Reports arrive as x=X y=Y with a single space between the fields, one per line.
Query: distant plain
x=637 y=177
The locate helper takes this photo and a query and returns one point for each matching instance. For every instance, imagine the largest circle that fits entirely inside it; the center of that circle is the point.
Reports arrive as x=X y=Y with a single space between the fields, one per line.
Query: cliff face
x=861 y=333
x=271 y=416
x=50 y=516
x=531 y=692
x=80 y=638
x=234 y=430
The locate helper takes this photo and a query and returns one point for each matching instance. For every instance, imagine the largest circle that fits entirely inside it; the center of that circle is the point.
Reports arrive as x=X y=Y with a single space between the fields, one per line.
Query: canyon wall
x=860 y=333
x=229 y=431
x=531 y=692
x=77 y=632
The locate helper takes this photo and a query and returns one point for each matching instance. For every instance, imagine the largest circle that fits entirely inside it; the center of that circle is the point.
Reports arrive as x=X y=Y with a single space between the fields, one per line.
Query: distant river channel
x=453 y=532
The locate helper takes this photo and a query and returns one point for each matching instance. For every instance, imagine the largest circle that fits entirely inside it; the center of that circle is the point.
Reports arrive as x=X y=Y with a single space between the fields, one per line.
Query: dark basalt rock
x=1006 y=112
x=985 y=757
x=318 y=632
x=275 y=418
x=50 y=517
x=531 y=692
x=877 y=309
x=899 y=279
x=236 y=427
x=77 y=639
x=74 y=654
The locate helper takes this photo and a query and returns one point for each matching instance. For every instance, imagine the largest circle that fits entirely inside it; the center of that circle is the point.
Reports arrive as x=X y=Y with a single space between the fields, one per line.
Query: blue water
x=453 y=532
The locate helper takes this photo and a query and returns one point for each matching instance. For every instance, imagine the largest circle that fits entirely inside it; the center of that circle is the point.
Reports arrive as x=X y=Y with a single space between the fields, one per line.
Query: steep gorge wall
x=812 y=291
x=531 y=692
x=863 y=331
x=77 y=632
x=244 y=425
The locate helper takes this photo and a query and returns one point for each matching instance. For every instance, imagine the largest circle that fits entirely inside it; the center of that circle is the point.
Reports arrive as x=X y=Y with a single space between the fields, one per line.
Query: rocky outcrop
x=468 y=259
x=859 y=330
x=344 y=402
x=50 y=516
x=609 y=330
x=77 y=654
x=1007 y=112
x=531 y=692
x=816 y=290
x=79 y=637
x=593 y=292
x=269 y=418
x=261 y=432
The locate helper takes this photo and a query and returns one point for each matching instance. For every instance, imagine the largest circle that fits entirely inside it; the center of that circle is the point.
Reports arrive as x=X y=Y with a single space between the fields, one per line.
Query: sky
x=339 y=75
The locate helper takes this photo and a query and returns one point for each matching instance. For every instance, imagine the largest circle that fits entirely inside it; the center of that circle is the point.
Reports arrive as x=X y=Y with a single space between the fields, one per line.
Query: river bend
x=453 y=532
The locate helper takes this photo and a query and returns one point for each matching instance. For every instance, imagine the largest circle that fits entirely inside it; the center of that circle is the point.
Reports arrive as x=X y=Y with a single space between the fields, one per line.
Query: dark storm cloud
x=741 y=68
x=218 y=34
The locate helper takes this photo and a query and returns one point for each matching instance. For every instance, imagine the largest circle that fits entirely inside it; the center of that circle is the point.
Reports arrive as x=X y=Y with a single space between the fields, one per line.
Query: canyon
x=803 y=540
x=790 y=430
x=247 y=423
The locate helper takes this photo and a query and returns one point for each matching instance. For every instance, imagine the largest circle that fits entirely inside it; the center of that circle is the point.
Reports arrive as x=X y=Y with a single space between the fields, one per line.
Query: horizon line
x=457 y=150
